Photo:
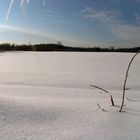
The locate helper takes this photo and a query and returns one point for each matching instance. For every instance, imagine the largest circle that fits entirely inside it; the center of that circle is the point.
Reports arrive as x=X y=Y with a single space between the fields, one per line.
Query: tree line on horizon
x=60 y=47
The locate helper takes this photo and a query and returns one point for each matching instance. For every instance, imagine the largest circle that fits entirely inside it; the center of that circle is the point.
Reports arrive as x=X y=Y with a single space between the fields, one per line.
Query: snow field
x=46 y=96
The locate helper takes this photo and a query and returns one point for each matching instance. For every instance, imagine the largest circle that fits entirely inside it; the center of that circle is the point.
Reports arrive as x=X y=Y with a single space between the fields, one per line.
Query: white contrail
x=44 y=1
x=9 y=10
x=21 y=3
x=27 y=1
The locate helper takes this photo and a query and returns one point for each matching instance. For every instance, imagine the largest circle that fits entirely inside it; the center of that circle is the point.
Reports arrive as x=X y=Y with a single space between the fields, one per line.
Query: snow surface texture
x=46 y=96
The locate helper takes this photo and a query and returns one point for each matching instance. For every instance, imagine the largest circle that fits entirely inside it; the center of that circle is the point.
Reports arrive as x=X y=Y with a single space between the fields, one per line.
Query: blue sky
x=85 y=23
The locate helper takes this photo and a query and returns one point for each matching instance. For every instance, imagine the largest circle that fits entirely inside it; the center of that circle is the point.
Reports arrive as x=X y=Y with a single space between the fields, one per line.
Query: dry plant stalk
x=111 y=97
x=112 y=102
x=126 y=77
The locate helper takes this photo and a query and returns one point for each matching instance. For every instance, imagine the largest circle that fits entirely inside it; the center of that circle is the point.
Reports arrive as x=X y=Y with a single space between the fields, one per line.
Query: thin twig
x=111 y=97
x=99 y=88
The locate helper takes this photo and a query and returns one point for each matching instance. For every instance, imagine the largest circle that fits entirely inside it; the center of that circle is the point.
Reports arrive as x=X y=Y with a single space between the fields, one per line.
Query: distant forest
x=60 y=47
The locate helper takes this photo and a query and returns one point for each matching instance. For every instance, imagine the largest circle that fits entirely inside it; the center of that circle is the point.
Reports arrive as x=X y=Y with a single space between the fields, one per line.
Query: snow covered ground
x=46 y=96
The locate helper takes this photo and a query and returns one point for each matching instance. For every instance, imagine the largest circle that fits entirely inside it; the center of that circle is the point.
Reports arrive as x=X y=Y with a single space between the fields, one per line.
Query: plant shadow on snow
x=131 y=111
x=133 y=100
x=128 y=109
x=131 y=107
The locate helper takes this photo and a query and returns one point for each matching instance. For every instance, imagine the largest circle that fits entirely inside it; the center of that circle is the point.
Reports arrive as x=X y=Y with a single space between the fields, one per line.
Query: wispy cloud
x=127 y=35
x=104 y=16
x=137 y=18
x=127 y=32
x=137 y=1
x=44 y=34
x=123 y=32
x=28 y=31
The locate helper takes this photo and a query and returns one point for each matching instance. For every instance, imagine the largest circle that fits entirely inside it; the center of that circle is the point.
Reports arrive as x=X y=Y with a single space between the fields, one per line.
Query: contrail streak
x=21 y=3
x=27 y=1
x=44 y=2
x=9 y=10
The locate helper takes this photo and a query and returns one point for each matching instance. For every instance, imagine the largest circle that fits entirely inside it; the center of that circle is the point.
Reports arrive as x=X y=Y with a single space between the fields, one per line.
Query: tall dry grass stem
x=126 y=77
